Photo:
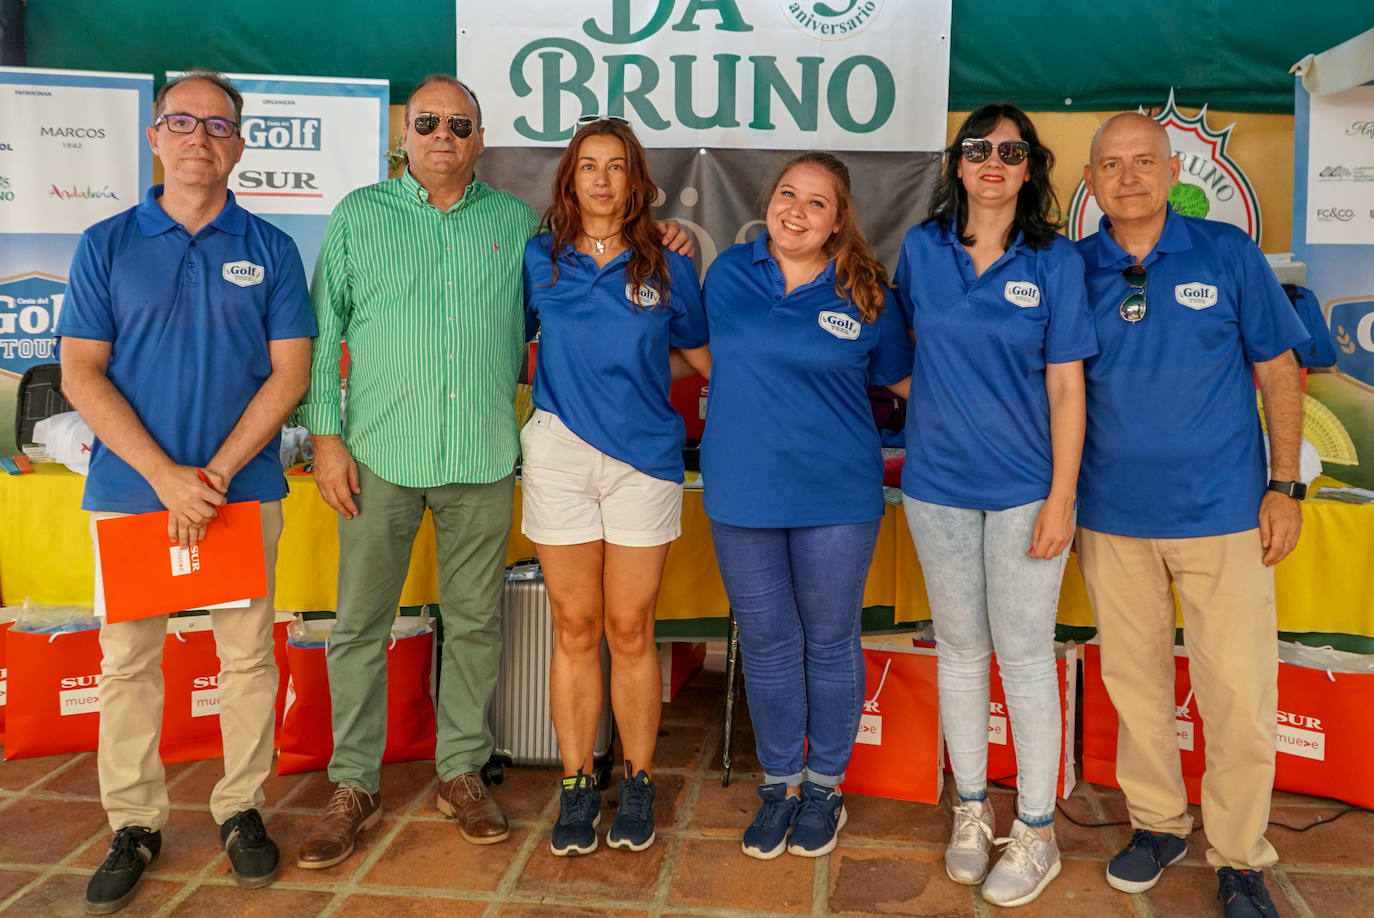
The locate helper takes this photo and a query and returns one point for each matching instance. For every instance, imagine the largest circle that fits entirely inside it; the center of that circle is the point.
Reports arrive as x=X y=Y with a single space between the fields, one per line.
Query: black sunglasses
x=427 y=122
x=221 y=128
x=978 y=149
x=1133 y=307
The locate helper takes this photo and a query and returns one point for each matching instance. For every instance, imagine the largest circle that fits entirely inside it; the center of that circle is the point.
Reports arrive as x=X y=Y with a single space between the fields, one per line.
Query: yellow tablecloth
x=45 y=551
x=1326 y=585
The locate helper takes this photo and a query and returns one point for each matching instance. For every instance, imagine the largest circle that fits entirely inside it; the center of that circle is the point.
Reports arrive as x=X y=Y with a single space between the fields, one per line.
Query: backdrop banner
x=1333 y=233
x=308 y=142
x=72 y=153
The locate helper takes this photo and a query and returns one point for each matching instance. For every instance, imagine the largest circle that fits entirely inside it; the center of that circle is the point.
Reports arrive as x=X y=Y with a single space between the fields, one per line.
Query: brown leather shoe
x=466 y=800
x=348 y=812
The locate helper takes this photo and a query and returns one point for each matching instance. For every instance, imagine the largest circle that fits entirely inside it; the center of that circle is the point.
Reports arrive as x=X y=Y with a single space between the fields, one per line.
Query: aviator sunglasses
x=1133 y=307
x=427 y=122
x=978 y=149
x=178 y=123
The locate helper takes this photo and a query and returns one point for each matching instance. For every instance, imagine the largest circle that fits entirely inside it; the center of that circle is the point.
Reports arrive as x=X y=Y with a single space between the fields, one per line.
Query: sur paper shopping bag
x=897 y=750
x=306 y=737
x=53 y=702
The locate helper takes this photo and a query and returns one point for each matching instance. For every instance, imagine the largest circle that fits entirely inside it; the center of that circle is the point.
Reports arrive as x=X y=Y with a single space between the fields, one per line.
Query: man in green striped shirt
x=422 y=277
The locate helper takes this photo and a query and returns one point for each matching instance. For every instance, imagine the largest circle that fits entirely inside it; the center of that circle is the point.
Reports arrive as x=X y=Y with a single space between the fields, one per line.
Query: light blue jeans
x=986 y=595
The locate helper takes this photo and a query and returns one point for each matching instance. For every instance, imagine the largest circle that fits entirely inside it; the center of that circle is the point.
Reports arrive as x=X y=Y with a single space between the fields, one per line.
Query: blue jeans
x=986 y=595
x=797 y=595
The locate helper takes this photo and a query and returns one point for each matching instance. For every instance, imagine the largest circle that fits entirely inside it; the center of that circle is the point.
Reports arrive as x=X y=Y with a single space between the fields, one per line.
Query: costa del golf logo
x=1210 y=184
x=831 y=21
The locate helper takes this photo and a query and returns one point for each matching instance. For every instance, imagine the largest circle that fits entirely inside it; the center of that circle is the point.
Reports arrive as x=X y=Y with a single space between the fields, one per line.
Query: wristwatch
x=1294 y=489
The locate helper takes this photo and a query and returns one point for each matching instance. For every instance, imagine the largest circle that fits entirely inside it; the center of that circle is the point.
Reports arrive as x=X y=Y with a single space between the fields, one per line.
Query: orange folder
x=143 y=575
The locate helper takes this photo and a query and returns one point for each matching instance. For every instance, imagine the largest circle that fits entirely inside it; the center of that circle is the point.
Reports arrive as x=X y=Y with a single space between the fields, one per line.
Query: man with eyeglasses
x=1173 y=491
x=185 y=342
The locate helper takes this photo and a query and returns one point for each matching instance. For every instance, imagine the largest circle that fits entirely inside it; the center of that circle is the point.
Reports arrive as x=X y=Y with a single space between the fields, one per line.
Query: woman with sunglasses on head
x=792 y=464
x=997 y=303
x=602 y=467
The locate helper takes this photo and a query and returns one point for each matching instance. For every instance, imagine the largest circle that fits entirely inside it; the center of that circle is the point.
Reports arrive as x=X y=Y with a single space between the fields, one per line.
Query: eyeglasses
x=978 y=149
x=1133 y=307
x=426 y=122
x=593 y=119
x=222 y=128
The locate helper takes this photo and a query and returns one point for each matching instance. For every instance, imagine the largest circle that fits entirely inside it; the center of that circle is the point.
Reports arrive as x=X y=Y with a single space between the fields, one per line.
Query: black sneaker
x=1138 y=865
x=116 y=879
x=633 y=829
x=1242 y=894
x=579 y=810
x=252 y=855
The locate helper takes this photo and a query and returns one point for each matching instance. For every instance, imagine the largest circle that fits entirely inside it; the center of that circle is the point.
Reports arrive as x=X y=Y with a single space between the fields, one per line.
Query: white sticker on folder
x=184 y=560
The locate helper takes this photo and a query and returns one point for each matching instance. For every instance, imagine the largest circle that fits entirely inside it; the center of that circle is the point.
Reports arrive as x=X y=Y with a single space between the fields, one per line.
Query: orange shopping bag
x=4 y=675
x=897 y=750
x=306 y=737
x=54 y=696
x=1324 y=744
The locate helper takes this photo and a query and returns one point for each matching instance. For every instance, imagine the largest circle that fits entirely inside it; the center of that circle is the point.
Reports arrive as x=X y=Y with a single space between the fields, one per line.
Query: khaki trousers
x=133 y=787
x=1227 y=598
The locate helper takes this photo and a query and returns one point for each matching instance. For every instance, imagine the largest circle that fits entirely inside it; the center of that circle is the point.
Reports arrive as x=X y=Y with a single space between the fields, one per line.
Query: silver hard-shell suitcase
x=521 y=721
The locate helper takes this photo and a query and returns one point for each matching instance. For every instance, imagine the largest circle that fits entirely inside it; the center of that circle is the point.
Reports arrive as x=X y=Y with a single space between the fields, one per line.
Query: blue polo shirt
x=978 y=418
x=1173 y=446
x=189 y=320
x=603 y=361
x=790 y=438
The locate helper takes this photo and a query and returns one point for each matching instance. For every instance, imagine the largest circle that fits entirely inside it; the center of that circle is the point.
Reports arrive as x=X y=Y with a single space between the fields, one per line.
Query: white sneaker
x=966 y=856
x=1025 y=868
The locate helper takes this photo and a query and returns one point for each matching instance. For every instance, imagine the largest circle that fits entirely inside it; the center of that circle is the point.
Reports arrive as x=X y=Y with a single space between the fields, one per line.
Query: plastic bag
x=38 y=619
x=68 y=440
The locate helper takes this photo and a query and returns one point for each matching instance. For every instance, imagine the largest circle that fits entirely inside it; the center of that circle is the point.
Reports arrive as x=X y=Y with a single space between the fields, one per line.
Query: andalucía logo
x=1211 y=183
x=87 y=192
x=830 y=21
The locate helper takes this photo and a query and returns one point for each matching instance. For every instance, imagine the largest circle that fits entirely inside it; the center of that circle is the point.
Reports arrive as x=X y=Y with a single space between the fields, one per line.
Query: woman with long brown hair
x=602 y=468
x=800 y=327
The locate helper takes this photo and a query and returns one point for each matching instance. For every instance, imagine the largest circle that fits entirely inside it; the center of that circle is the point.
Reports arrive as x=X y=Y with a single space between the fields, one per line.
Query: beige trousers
x=133 y=787
x=1227 y=598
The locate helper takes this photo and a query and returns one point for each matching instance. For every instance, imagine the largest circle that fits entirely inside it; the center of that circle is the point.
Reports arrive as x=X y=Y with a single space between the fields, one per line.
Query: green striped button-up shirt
x=431 y=306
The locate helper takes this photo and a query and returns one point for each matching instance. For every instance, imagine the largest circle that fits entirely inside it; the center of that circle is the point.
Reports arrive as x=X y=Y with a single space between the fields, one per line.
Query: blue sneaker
x=633 y=829
x=766 y=836
x=819 y=820
x=1138 y=865
x=579 y=810
x=1242 y=894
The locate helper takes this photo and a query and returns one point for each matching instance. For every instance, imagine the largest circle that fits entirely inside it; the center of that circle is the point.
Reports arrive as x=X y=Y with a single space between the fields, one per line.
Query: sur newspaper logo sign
x=1210 y=184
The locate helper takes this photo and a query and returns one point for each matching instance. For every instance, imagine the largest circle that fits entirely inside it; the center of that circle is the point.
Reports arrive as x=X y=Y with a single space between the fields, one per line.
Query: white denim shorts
x=571 y=492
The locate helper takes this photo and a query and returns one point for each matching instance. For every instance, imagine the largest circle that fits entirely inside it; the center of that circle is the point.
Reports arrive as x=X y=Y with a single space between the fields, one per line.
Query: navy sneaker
x=819 y=820
x=253 y=856
x=1138 y=865
x=633 y=829
x=116 y=879
x=766 y=836
x=579 y=810
x=1242 y=894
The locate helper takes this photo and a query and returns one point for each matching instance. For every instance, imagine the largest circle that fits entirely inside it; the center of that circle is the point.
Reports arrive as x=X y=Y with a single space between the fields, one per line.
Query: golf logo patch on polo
x=1022 y=293
x=839 y=325
x=242 y=273
x=1195 y=295
x=647 y=297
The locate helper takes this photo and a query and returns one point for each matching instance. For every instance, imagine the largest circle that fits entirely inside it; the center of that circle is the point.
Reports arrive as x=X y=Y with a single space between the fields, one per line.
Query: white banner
x=1340 y=168
x=308 y=141
x=72 y=153
x=761 y=74
x=69 y=148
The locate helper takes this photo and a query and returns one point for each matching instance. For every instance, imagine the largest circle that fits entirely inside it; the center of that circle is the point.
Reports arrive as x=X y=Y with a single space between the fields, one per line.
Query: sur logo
x=1210 y=183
